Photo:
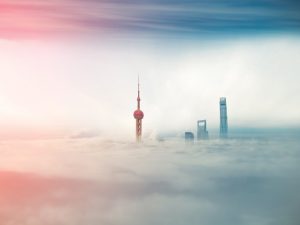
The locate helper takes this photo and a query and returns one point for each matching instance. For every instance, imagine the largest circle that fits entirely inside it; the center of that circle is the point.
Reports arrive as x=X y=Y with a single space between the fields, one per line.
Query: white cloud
x=91 y=181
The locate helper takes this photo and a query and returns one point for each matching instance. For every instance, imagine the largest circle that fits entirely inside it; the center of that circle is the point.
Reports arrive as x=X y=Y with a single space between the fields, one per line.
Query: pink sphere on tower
x=138 y=114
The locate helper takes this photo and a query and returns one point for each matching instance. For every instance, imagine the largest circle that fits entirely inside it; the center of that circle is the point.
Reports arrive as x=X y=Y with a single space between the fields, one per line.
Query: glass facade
x=223 y=118
x=202 y=132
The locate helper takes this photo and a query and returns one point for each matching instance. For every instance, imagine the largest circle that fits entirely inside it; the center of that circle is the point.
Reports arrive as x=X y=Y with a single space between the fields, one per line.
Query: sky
x=33 y=18
x=69 y=68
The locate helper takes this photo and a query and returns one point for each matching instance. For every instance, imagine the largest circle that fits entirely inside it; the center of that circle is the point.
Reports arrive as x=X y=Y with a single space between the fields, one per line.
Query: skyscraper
x=223 y=117
x=189 y=137
x=138 y=115
x=202 y=132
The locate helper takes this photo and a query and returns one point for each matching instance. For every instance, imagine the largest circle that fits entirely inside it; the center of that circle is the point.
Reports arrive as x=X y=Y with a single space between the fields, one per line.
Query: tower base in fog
x=189 y=137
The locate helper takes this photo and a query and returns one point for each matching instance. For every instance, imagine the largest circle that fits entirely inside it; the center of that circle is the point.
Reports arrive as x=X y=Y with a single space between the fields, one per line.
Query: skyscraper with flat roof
x=223 y=118
x=202 y=132
x=189 y=137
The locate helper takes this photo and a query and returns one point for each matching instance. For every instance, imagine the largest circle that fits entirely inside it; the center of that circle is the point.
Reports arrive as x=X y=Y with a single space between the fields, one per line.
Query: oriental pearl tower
x=138 y=115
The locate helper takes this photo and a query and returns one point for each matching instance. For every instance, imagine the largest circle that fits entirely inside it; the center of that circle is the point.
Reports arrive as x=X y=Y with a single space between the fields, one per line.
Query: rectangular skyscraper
x=202 y=132
x=223 y=118
x=189 y=137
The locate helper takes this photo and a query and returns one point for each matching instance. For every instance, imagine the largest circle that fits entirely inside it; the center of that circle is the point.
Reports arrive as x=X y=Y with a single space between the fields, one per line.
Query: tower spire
x=138 y=98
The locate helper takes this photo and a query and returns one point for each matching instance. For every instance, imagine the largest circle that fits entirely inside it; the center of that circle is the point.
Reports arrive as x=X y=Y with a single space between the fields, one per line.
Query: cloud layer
x=247 y=180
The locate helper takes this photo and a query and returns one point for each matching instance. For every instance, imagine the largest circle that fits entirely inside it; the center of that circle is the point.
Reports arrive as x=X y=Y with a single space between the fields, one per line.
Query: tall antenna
x=138 y=98
x=139 y=82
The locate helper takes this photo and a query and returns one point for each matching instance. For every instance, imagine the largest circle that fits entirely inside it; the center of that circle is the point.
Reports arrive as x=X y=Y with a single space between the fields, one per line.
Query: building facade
x=202 y=132
x=189 y=137
x=223 y=118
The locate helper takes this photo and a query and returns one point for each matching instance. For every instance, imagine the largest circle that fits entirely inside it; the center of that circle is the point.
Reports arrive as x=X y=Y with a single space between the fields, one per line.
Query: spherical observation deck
x=138 y=114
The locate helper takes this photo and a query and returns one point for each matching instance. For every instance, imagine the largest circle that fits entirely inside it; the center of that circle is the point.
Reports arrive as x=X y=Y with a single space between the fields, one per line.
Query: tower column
x=138 y=130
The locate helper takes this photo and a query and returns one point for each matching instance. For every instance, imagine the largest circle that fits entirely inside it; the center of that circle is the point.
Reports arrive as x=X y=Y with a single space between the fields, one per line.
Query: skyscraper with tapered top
x=223 y=118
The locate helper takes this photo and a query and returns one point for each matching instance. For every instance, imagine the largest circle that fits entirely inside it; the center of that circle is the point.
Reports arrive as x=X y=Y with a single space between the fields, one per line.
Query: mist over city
x=149 y=112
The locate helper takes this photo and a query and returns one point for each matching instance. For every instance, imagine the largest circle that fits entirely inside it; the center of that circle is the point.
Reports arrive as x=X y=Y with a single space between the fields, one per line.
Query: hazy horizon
x=76 y=87
x=68 y=90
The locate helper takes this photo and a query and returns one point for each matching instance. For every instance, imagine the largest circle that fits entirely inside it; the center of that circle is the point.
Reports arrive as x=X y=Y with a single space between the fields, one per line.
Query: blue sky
x=32 y=18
